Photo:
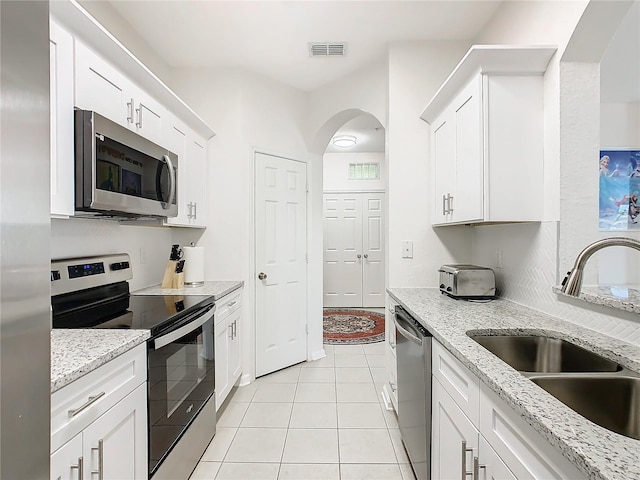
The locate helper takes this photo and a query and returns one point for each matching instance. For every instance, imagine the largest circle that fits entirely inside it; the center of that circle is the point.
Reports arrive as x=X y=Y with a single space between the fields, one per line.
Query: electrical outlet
x=499 y=259
x=143 y=258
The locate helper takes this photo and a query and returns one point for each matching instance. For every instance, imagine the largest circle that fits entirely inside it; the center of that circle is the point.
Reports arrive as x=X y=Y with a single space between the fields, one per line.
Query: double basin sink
x=597 y=388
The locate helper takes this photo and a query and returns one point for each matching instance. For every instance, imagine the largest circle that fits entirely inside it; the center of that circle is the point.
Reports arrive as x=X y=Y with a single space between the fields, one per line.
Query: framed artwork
x=619 y=192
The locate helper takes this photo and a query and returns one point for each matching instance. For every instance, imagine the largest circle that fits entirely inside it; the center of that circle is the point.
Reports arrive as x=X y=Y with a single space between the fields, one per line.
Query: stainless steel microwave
x=119 y=173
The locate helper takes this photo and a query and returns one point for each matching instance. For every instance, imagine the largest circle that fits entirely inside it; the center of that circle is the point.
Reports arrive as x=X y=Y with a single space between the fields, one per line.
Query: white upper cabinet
x=487 y=137
x=61 y=110
x=103 y=88
x=192 y=174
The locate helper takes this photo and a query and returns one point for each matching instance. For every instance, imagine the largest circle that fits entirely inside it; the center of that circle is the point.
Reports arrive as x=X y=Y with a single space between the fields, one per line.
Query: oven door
x=118 y=170
x=181 y=381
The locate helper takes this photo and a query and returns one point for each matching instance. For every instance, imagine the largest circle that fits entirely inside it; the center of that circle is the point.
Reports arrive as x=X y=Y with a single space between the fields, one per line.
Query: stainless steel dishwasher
x=413 y=350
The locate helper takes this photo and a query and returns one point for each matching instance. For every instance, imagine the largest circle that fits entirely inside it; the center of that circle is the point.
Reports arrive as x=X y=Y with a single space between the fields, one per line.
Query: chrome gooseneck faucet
x=573 y=281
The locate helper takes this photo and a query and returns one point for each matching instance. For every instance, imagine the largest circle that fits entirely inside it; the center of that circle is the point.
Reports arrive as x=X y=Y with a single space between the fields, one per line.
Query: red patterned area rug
x=351 y=326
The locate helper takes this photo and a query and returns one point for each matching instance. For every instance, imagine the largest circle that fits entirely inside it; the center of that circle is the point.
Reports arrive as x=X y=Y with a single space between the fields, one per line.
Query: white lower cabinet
x=390 y=387
x=458 y=446
x=67 y=461
x=228 y=319
x=99 y=423
x=475 y=432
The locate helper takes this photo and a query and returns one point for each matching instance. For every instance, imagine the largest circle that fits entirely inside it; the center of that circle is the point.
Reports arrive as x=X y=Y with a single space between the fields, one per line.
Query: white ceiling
x=271 y=37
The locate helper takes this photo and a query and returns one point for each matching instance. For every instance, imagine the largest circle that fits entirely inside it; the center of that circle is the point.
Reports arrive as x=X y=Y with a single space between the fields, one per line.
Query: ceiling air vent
x=332 y=49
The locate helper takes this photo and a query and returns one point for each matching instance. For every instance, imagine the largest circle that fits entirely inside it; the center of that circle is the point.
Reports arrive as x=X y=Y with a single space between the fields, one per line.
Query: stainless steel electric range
x=93 y=292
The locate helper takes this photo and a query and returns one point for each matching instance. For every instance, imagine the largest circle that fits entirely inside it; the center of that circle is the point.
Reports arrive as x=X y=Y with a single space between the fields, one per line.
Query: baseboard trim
x=317 y=355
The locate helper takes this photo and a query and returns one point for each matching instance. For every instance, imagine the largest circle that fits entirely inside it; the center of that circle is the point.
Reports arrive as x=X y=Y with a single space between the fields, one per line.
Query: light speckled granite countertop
x=216 y=289
x=75 y=353
x=598 y=452
x=618 y=297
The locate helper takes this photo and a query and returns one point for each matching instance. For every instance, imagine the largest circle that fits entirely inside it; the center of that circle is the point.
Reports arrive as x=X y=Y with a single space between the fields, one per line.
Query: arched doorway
x=354 y=187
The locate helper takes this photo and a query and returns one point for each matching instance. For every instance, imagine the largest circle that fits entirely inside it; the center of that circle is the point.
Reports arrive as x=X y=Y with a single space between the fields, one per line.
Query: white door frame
x=250 y=357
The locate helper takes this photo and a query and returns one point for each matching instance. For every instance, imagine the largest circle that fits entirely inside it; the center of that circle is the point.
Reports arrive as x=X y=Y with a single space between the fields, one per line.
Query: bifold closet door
x=373 y=250
x=342 y=250
x=353 y=250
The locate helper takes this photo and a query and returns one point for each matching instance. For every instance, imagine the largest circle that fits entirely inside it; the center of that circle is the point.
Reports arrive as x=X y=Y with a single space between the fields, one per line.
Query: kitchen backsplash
x=148 y=247
x=529 y=273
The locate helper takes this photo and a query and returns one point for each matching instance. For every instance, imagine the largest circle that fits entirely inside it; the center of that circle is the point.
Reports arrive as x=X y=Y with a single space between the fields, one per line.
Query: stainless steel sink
x=611 y=402
x=541 y=354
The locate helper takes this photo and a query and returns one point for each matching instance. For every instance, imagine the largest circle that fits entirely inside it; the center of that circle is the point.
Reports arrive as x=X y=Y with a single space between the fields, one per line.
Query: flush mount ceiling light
x=344 y=141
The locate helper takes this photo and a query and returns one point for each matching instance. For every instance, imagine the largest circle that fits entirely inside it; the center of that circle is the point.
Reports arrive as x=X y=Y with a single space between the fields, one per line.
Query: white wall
x=336 y=172
x=84 y=237
x=416 y=71
x=249 y=113
x=363 y=91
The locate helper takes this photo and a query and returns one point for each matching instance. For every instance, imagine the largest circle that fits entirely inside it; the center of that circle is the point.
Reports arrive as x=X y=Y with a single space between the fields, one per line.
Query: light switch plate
x=407 y=249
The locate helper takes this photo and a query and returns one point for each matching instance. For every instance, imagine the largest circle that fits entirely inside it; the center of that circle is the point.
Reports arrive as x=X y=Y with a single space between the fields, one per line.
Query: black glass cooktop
x=112 y=308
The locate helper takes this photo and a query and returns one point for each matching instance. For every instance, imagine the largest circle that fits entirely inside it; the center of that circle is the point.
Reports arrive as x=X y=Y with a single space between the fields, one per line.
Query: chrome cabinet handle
x=450 y=209
x=476 y=468
x=190 y=208
x=235 y=328
x=80 y=467
x=231 y=304
x=465 y=474
x=444 y=209
x=262 y=276
x=195 y=210
x=139 y=112
x=366 y=255
x=88 y=403
x=231 y=331
x=130 y=109
x=100 y=471
x=359 y=256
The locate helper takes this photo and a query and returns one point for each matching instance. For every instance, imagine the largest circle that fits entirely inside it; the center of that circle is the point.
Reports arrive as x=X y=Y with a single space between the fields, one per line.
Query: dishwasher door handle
x=406 y=333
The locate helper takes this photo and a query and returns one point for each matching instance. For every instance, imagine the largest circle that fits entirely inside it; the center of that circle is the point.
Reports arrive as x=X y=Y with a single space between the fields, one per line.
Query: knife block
x=171 y=279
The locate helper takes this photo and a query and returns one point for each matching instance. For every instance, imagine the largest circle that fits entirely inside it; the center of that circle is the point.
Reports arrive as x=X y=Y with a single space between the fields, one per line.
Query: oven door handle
x=174 y=335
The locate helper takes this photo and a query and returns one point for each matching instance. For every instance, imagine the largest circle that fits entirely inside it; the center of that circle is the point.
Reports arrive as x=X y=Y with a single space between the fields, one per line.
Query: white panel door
x=342 y=250
x=281 y=268
x=353 y=250
x=373 y=250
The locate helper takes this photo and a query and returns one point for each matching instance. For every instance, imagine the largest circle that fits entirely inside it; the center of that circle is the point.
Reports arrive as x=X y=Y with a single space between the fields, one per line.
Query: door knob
x=359 y=256
x=366 y=255
x=262 y=275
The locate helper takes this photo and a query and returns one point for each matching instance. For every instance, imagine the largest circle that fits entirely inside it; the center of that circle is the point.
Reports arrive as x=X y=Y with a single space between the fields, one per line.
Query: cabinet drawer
x=228 y=304
x=81 y=402
x=458 y=381
x=528 y=455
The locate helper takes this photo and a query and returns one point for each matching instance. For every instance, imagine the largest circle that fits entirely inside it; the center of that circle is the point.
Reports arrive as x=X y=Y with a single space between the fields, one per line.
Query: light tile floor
x=321 y=420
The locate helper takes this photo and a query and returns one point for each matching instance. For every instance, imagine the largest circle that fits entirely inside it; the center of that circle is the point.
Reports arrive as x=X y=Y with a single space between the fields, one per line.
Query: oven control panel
x=85 y=270
x=73 y=274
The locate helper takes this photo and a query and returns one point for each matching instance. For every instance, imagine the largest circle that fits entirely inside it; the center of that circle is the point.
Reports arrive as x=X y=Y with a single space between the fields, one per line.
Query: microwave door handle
x=172 y=182
x=174 y=335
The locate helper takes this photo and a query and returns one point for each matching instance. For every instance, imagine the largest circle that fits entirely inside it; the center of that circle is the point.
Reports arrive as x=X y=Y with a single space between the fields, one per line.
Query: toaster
x=467 y=281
